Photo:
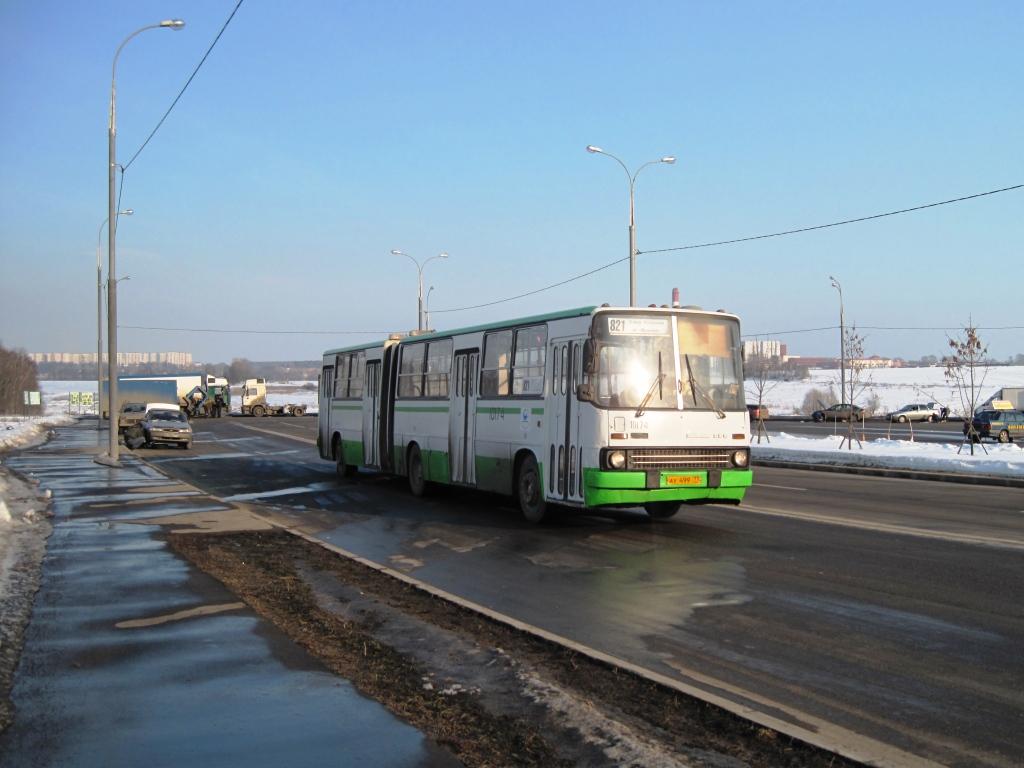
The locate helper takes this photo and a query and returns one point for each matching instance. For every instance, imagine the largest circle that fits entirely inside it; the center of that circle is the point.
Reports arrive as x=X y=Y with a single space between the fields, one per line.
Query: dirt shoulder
x=489 y=693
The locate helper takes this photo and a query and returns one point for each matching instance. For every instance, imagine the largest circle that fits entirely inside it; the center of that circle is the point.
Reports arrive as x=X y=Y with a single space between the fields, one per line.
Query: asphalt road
x=924 y=432
x=882 y=614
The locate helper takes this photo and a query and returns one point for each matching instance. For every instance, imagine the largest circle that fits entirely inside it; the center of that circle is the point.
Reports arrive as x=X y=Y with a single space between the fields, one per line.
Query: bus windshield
x=667 y=361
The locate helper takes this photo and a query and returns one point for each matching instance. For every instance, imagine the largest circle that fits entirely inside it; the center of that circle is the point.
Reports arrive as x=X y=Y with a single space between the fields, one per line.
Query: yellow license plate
x=684 y=480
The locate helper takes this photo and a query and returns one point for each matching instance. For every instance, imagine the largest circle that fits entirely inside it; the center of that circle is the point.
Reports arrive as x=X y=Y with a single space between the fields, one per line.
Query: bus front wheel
x=417 y=483
x=662 y=510
x=528 y=490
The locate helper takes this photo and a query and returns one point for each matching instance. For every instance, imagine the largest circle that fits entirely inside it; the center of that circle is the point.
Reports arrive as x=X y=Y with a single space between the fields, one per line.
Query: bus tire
x=662 y=510
x=528 y=489
x=344 y=470
x=417 y=483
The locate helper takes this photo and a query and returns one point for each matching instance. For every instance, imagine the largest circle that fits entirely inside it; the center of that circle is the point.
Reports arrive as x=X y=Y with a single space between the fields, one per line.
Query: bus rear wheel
x=528 y=490
x=344 y=470
x=417 y=483
x=662 y=510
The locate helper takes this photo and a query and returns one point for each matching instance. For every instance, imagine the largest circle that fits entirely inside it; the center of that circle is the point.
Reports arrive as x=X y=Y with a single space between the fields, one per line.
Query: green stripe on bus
x=422 y=409
x=346 y=407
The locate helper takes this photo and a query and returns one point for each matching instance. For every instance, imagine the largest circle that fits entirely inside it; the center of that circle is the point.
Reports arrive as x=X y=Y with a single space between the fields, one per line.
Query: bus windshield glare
x=663 y=361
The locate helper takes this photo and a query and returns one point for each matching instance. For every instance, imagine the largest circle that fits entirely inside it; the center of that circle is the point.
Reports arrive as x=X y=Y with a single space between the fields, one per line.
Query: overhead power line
x=889 y=328
x=730 y=242
x=181 y=93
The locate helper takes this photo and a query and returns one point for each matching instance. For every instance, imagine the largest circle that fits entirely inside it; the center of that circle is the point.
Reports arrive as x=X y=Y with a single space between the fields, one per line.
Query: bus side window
x=494 y=381
x=528 y=365
x=410 y=370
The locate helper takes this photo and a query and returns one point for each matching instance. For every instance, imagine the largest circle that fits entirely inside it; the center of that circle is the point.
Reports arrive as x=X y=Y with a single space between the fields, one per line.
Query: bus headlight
x=617 y=459
x=741 y=458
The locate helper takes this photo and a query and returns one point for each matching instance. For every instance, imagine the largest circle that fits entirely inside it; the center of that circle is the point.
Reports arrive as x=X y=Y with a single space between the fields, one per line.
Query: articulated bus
x=597 y=407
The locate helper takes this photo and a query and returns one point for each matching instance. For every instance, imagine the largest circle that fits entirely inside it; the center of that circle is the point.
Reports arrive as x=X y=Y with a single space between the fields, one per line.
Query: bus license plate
x=684 y=480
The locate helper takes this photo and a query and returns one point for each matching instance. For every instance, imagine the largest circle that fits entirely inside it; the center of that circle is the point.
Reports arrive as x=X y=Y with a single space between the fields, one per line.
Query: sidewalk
x=132 y=657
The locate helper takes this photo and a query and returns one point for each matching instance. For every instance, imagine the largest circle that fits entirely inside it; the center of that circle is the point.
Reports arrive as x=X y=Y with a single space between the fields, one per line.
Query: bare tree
x=966 y=370
x=760 y=379
x=857 y=382
x=17 y=376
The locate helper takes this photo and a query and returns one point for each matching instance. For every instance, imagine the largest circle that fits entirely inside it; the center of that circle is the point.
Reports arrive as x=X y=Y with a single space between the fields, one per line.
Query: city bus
x=592 y=408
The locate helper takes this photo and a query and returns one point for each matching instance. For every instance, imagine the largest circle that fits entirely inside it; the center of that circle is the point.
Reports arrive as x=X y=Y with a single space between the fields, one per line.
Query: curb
x=903 y=474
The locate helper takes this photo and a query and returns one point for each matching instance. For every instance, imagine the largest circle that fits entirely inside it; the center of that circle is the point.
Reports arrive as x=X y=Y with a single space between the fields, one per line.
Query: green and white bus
x=596 y=407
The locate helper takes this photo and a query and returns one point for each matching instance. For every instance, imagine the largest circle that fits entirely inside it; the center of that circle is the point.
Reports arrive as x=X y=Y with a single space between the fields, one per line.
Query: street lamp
x=112 y=451
x=426 y=307
x=667 y=160
x=419 y=268
x=842 y=343
x=99 y=318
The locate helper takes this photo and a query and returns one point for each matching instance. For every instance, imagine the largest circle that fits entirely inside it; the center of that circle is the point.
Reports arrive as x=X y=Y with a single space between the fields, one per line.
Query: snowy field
x=895 y=387
x=16 y=431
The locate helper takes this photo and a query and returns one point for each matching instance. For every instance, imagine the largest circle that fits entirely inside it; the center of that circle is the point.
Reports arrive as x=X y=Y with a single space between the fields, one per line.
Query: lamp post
x=426 y=308
x=112 y=451
x=99 y=318
x=419 y=269
x=842 y=343
x=668 y=160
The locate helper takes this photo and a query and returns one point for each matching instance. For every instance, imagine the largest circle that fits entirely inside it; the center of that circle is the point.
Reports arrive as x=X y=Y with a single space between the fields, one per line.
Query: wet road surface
x=889 y=608
x=134 y=658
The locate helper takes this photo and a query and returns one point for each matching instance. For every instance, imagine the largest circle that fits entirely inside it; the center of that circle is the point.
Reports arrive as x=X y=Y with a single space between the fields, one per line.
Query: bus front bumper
x=603 y=488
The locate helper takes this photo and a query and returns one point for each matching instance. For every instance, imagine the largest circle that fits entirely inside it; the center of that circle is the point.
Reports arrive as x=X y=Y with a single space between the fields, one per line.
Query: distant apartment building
x=764 y=348
x=875 y=362
x=123 y=358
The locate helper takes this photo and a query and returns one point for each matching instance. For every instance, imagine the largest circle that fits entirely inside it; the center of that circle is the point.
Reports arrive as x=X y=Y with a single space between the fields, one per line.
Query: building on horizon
x=768 y=349
x=123 y=358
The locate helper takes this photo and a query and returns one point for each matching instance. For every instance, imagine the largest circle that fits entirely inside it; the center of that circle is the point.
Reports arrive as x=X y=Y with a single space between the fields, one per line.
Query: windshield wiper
x=650 y=390
x=696 y=387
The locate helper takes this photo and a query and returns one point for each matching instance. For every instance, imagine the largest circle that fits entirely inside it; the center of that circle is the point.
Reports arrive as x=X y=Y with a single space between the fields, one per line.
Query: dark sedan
x=839 y=412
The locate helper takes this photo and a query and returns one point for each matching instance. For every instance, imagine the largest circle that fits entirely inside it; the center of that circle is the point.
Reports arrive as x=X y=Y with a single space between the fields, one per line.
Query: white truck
x=254 y=401
x=1012 y=395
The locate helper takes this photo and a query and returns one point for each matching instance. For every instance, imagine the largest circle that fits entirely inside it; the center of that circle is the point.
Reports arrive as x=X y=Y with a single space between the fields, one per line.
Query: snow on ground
x=895 y=387
x=990 y=459
x=18 y=431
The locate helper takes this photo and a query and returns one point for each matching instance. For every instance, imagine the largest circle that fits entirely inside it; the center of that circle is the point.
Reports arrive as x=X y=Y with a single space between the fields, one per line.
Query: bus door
x=371 y=414
x=462 y=417
x=564 y=477
x=324 y=404
x=388 y=387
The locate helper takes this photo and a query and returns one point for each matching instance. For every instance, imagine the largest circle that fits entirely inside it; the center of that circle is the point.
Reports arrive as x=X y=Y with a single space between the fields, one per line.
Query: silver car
x=166 y=426
x=913 y=412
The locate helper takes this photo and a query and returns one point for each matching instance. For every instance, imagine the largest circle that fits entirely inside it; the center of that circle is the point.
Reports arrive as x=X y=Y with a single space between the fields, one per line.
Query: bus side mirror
x=589 y=356
x=585 y=392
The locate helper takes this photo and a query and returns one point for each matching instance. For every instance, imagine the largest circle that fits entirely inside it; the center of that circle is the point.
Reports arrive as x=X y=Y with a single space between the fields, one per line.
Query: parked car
x=1004 y=426
x=913 y=412
x=163 y=425
x=130 y=413
x=757 y=412
x=838 y=412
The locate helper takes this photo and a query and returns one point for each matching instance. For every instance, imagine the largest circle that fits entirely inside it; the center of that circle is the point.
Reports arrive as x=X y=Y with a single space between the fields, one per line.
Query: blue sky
x=318 y=136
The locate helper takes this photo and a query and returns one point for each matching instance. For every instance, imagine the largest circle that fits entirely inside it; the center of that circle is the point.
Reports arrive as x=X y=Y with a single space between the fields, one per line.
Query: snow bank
x=19 y=431
x=1001 y=460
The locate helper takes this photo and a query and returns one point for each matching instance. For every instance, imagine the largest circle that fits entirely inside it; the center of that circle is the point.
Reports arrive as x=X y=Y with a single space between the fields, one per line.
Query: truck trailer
x=198 y=394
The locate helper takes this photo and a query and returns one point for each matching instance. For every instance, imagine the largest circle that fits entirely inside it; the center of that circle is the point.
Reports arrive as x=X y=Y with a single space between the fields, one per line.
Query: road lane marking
x=782 y=487
x=311 y=488
x=903 y=530
x=202 y=610
x=278 y=434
